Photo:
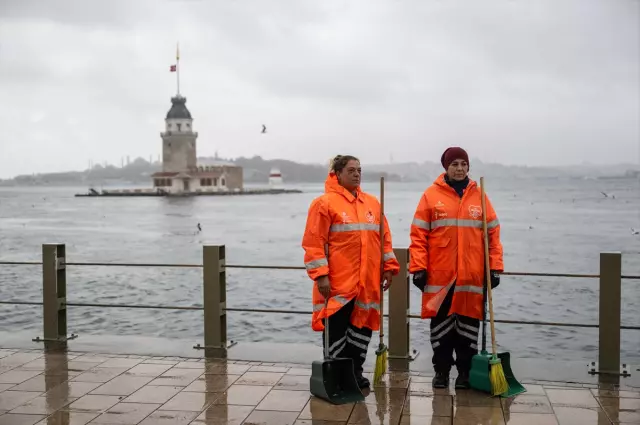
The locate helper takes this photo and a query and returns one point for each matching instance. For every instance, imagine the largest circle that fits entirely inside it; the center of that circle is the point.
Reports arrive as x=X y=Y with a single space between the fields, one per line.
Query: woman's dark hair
x=341 y=161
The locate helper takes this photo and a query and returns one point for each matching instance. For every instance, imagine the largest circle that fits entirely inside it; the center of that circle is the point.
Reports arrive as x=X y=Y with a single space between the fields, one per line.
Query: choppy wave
x=559 y=228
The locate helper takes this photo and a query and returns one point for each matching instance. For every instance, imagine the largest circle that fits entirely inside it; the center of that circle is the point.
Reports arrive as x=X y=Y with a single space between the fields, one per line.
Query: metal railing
x=214 y=267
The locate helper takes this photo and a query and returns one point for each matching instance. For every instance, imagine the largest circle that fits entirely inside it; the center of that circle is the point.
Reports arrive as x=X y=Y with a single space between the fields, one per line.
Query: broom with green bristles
x=381 y=352
x=498 y=380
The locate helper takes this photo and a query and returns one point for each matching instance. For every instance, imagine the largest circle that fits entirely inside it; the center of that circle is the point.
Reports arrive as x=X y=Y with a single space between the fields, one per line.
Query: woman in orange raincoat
x=447 y=262
x=342 y=256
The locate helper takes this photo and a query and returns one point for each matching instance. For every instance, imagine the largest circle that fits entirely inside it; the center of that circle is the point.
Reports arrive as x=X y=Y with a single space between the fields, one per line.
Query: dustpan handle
x=326 y=329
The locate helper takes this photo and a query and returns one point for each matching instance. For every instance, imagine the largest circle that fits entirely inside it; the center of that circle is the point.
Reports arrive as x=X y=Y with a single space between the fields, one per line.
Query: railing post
x=399 y=309
x=215 y=298
x=609 y=318
x=54 y=296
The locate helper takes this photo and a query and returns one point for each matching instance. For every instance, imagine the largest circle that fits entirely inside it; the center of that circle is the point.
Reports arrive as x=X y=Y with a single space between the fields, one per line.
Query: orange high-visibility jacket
x=342 y=240
x=447 y=242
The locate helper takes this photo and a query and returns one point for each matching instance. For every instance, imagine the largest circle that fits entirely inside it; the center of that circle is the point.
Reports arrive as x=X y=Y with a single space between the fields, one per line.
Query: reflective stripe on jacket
x=447 y=241
x=342 y=240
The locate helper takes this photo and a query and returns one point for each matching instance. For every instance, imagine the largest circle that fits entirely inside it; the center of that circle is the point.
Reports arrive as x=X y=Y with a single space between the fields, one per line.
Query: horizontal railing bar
x=145 y=306
x=236 y=266
x=560 y=324
x=162 y=307
x=21 y=263
x=260 y=267
x=193 y=266
x=20 y=302
x=415 y=316
x=533 y=274
x=38 y=263
x=279 y=311
x=266 y=310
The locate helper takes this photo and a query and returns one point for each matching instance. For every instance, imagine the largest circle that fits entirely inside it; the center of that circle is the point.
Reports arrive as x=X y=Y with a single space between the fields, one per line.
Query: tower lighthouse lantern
x=179 y=139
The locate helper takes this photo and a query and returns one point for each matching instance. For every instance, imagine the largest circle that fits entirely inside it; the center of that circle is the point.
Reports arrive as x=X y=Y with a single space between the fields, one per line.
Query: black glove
x=495 y=279
x=420 y=279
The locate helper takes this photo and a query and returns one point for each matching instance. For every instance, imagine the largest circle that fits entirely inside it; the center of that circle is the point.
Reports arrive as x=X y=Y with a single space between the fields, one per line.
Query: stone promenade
x=89 y=388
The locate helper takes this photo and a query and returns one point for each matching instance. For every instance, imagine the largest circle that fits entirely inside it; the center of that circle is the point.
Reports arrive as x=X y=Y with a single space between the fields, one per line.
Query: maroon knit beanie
x=451 y=154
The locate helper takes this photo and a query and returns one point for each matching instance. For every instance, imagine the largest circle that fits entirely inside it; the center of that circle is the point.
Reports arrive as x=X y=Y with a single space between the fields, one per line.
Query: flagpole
x=178 y=67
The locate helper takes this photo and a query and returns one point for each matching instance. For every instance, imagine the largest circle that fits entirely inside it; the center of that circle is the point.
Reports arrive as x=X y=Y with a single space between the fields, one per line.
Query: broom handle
x=381 y=258
x=486 y=264
x=484 y=317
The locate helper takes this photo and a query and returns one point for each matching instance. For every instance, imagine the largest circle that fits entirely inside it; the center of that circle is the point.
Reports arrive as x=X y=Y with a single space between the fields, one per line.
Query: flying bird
x=264 y=128
x=635 y=232
x=199 y=228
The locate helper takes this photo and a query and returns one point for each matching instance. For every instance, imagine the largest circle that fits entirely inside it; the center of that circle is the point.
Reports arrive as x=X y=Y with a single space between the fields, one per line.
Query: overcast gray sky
x=519 y=82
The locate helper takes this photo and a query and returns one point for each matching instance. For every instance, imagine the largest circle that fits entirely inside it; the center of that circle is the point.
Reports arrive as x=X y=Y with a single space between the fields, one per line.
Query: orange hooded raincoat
x=447 y=242
x=342 y=240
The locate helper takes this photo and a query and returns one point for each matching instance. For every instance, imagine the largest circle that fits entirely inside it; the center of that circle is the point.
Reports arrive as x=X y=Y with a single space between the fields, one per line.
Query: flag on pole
x=176 y=68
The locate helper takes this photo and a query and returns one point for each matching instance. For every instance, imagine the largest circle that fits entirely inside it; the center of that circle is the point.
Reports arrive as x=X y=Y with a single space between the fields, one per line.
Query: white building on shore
x=275 y=178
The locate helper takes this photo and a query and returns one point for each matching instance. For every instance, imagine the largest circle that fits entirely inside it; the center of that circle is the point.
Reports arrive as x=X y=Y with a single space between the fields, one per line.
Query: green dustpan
x=479 y=377
x=333 y=379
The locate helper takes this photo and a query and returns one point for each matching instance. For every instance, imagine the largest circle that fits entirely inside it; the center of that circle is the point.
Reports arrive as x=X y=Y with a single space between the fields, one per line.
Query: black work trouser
x=345 y=340
x=453 y=333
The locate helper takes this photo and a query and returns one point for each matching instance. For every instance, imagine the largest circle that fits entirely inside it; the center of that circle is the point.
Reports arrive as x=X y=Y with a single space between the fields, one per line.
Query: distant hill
x=427 y=171
x=138 y=171
x=256 y=170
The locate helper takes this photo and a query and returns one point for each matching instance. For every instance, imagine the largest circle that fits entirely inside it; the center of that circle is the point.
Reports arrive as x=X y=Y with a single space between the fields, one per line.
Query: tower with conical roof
x=181 y=173
x=179 y=139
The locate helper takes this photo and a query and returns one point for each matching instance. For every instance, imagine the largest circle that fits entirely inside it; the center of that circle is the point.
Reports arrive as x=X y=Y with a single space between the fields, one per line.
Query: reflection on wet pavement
x=85 y=388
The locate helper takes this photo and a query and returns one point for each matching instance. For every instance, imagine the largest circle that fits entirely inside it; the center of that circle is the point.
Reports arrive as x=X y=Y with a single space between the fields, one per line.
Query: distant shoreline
x=256 y=171
x=145 y=184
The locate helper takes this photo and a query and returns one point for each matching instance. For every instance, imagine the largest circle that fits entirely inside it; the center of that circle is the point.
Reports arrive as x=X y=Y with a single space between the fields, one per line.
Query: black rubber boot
x=362 y=381
x=462 y=382
x=441 y=380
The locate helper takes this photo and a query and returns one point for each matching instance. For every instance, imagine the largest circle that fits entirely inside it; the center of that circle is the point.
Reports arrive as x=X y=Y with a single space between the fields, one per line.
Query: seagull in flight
x=607 y=195
x=635 y=231
x=264 y=128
